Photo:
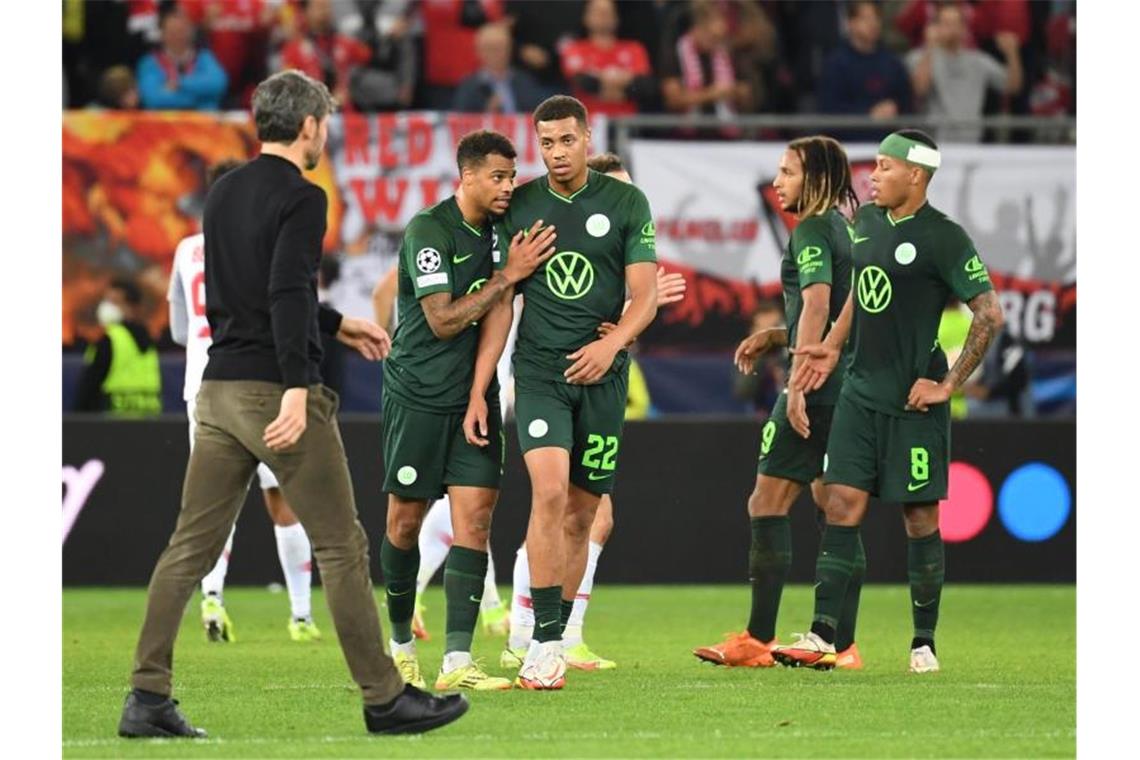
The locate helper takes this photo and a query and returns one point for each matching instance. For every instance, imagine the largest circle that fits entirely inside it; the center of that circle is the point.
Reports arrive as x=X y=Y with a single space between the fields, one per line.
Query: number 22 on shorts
x=607 y=447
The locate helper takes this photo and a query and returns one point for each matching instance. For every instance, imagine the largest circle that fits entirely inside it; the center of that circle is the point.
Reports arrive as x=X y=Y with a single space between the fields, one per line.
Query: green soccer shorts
x=784 y=453
x=425 y=452
x=586 y=420
x=900 y=459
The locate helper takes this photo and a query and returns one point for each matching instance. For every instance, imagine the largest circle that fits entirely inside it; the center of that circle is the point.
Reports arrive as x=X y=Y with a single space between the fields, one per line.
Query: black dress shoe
x=414 y=712
x=161 y=720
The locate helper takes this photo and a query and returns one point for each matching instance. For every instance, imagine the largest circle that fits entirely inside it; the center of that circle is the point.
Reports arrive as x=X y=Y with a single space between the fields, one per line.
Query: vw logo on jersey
x=477 y=285
x=569 y=275
x=598 y=225
x=874 y=289
x=537 y=428
x=407 y=475
x=428 y=260
x=905 y=253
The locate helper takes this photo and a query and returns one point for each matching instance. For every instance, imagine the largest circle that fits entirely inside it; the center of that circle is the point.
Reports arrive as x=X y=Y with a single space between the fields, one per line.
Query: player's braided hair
x=827 y=175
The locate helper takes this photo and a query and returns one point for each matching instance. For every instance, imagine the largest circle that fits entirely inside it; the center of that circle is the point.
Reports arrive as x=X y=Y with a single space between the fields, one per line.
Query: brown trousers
x=232 y=416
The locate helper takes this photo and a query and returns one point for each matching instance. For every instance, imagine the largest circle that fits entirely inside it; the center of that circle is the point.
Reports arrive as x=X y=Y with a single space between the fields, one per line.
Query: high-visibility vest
x=134 y=382
x=637 y=395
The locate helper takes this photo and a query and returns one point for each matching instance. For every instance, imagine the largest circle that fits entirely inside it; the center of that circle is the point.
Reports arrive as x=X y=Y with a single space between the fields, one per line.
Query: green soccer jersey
x=905 y=271
x=819 y=251
x=603 y=227
x=440 y=253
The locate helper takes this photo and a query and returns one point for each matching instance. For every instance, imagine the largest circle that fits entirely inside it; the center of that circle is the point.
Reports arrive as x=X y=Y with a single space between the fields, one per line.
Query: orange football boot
x=739 y=650
x=849 y=659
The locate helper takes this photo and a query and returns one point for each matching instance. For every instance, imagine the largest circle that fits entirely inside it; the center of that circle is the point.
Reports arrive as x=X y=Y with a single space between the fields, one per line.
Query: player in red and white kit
x=188 y=326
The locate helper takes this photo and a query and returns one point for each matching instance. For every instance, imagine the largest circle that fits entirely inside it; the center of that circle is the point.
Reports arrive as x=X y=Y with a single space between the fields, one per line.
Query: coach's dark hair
x=918 y=136
x=281 y=103
x=130 y=291
x=474 y=147
x=827 y=175
x=560 y=107
x=215 y=172
x=606 y=163
x=853 y=8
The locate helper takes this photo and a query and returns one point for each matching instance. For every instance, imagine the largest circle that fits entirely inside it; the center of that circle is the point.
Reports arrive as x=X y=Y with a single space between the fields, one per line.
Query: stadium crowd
x=720 y=57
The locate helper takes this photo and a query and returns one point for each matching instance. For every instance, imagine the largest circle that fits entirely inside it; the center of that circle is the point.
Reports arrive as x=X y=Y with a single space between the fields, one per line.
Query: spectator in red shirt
x=449 y=44
x=323 y=53
x=238 y=35
x=608 y=75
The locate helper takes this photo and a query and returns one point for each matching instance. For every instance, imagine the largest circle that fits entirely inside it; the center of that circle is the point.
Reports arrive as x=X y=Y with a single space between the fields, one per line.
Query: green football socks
x=463 y=576
x=833 y=570
x=845 y=630
x=926 y=566
x=400 y=567
x=769 y=560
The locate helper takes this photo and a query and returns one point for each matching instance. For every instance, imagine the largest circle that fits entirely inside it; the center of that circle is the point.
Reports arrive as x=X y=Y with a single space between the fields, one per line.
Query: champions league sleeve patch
x=428 y=260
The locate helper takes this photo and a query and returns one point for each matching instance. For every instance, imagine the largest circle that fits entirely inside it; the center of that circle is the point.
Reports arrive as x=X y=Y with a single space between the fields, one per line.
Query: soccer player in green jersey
x=890 y=435
x=813 y=182
x=670 y=289
x=570 y=385
x=452 y=272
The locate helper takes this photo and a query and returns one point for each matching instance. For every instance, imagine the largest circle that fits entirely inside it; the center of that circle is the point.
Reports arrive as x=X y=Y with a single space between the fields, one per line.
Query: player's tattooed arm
x=447 y=318
x=987 y=325
x=988 y=321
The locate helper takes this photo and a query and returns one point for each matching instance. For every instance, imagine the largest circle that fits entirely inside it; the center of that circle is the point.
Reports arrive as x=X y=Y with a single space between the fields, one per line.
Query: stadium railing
x=1052 y=130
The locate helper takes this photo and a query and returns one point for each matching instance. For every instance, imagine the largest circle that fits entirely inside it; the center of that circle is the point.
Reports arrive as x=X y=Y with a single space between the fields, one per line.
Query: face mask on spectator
x=108 y=313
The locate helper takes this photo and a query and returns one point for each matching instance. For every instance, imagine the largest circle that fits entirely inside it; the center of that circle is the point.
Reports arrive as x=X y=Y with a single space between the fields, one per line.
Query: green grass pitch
x=1007 y=686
